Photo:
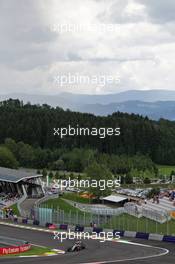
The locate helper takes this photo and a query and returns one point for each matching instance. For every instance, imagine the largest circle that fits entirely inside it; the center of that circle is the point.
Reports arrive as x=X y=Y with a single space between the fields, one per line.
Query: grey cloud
x=116 y=13
x=159 y=11
x=24 y=38
x=30 y=52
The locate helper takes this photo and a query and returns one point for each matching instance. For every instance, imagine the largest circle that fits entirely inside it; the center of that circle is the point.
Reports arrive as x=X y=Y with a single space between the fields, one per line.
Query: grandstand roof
x=15 y=176
x=115 y=198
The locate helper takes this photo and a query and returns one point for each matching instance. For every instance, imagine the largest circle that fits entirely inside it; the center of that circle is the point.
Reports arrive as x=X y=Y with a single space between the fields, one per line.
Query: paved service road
x=96 y=252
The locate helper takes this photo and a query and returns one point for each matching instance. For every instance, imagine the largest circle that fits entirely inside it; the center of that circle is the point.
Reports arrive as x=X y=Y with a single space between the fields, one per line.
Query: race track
x=96 y=252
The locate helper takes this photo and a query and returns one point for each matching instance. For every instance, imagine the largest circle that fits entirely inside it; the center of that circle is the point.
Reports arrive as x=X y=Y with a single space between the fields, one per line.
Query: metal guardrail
x=94 y=209
x=45 y=198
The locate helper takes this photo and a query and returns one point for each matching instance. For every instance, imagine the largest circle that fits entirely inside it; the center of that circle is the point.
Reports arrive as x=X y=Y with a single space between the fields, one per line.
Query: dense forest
x=33 y=125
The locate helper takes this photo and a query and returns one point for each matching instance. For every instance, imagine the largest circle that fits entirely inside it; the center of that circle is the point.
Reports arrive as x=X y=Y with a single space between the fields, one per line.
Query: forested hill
x=33 y=124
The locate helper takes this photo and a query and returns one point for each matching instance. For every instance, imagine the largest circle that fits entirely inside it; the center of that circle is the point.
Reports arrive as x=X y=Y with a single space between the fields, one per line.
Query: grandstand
x=164 y=205
x=17 y=184
x=160 y=212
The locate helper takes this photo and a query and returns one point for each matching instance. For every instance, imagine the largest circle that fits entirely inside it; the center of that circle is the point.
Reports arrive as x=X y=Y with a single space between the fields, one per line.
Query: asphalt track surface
x=96 y=252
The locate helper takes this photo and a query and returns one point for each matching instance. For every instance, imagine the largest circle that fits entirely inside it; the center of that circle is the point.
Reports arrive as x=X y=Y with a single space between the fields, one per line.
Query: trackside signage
x=14 y=250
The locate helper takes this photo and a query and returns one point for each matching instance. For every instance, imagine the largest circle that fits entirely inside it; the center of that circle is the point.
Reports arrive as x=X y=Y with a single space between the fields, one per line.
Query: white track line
x=166 y=251
x=38 y=245
x=57 y=251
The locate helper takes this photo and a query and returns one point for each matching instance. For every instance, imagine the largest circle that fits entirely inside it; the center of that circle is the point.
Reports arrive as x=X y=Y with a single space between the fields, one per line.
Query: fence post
x=111 y=216
x=156 y=227
x=123 y=222
x=127 y=224
x=84 y=219
x=57 y=216
x=77 y=216
x=70 y=222
x=98 y=220
x=167 y=227
x=119 y=223
x=147 y=225
x=63 y=216
x=116 y=222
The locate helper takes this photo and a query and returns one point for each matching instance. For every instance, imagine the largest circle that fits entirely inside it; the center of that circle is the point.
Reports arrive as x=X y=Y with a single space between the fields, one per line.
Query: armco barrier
x=155 y=237
x=36 y=222
x=97 y=230
x=130 y=234
x=48 y=224
x=63 y=227
x=52 y=227
x=142 y=235
x=169 y=239
x=14 y=250
x=79 y=228
x=117 y=232
x=88 y=229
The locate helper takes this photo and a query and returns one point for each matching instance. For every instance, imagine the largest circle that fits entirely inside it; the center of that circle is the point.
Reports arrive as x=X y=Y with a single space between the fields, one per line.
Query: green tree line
x=32 y=127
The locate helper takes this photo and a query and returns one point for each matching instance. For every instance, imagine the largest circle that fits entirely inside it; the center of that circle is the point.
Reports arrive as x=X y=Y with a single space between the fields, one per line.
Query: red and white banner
x=14 y=250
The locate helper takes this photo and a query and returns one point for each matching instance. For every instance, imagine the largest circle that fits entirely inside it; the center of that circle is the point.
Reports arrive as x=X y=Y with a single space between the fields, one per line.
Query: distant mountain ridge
x=153 y=103
x=154 y=110
x=131 y=95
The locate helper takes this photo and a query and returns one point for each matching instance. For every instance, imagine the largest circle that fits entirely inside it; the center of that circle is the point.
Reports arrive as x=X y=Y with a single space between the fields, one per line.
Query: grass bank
x=60 y=204
x=33 y=251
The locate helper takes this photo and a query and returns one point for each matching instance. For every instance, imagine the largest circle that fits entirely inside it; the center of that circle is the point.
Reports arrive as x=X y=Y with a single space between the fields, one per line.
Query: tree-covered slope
x=34 y=124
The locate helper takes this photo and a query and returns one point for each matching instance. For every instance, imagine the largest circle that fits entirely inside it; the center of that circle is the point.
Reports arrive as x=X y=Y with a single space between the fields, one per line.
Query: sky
x=128 y=43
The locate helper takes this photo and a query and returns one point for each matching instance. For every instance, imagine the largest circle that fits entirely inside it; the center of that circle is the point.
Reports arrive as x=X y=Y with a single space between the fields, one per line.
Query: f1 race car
x=76 y=247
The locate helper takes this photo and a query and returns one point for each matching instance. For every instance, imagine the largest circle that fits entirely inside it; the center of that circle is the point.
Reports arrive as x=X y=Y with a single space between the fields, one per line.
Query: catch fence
x=122 y=221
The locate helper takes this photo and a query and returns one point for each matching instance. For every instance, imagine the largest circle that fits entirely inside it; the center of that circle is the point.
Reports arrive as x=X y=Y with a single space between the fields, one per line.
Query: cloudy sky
x=131 y=39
